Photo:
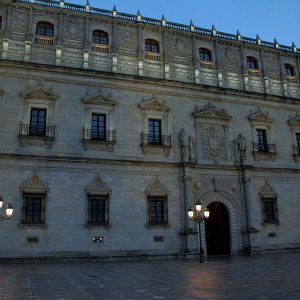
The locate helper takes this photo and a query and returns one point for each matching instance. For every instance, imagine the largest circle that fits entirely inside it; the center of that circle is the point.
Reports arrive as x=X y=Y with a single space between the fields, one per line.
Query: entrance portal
x=217 y=230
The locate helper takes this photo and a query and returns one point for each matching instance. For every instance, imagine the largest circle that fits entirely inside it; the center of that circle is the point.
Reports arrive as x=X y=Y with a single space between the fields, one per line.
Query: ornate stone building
x=113 y=125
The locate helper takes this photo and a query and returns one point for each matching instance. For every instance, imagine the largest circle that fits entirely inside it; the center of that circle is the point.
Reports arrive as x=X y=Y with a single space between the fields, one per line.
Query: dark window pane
x=204 y=54
x=157 y=210
x=37 y=125
x=33 y=210
x=262 y=141
x=251 y=62
x=270 y=210
x=289 y=70
x=98 y=127
x=100 y=37
x=154 y=132
x=151 y=46
x=98 y=207
x=45 y=29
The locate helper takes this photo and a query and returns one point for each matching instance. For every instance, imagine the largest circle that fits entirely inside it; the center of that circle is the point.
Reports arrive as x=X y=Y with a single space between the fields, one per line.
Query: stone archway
x=234 y=237
x=217 y=230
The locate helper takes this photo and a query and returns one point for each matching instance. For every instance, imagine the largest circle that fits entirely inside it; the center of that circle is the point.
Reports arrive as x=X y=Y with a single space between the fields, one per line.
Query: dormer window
x=289 y=70
x=152 y=49
x=205 y=54
x=100 y=41
x=44 y=33
x=252 y=63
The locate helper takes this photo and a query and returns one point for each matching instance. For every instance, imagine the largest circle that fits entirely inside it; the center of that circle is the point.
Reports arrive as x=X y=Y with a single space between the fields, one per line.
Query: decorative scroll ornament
x=156 y=188
x=34 y=184
x=39 y=92
x=213 y=142
x=98 y=186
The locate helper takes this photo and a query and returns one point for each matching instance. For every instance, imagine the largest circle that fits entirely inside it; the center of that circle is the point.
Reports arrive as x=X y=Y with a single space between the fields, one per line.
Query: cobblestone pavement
x=264 y=277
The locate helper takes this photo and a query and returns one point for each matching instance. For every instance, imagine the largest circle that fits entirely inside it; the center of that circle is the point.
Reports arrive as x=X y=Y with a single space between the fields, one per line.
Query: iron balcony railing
x=155 y=22
x=296 y=149
x=36 y=131
x=156 y=140
x=99 y=135
x=264 y=148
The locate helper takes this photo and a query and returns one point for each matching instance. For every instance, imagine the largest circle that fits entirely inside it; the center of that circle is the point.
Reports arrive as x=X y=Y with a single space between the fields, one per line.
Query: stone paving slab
x=264 y=277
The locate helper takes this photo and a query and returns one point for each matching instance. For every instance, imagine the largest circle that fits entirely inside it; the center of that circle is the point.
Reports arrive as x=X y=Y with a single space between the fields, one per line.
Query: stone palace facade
x=112 y=125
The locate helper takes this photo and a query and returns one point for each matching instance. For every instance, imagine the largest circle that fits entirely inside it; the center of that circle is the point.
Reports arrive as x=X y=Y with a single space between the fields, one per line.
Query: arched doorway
x=217 y=230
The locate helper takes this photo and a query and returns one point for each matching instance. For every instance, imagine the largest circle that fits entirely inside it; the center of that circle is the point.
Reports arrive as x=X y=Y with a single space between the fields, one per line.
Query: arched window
x=252 y=63
x=151 y=46
x=45 y=29
x=100 y=37
x=289 y=70
x=204 y=54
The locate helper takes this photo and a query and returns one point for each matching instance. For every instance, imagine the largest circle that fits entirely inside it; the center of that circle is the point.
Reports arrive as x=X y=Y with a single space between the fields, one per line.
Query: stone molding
x=40 y=93
x=34 y=184
x=156 y=188
x=153 y=104
x=98 y=99
x=294 y=121
x=267 y=190
x=259 y=117
x=98 y=187
x=209 y=111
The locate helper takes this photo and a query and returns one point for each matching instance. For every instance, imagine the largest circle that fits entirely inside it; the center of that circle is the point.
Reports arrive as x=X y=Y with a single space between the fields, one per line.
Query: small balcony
x=296 y=153
x=44 y=40
x=206 y=64
x=254 y=72
x=152 y=56
x=264 y=151
x=100 y=48
x=291 y=79
x=36 y=135
x=156 y=144
x=98 y=139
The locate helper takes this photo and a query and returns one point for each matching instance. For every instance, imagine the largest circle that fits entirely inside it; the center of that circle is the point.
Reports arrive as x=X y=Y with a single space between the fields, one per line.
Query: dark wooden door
x=217 y=230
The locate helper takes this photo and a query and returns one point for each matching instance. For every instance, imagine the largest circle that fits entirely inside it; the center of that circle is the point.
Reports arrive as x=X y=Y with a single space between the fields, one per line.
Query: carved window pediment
x=156 y=188
x=267 y=190
x=211 y=112
x=98 y=187
x=153 y=105
x=34 y=184
x=260 y=117
x=39 y=93
x=98 y=99
x=294 y=121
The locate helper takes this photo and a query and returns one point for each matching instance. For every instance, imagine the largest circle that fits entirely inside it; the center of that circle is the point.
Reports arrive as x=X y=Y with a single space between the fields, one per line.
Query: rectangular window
x=98 y=127
x=154 y=132
x=33 y=209
x=37 y=125
x=98 y=210
x=270 y=210
x=158 y=210
x=262 y=141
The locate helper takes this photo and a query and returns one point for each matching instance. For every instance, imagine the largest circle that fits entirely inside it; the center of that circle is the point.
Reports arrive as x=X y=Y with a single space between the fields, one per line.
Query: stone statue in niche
x=192 y=148
x=213 y=142
x=188 y=147
x=240 y=149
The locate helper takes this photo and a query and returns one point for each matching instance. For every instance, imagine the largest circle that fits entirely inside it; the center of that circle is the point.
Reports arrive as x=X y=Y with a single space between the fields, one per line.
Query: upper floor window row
x=100 y=41
x=289 y=70
x=44 y=33
x=205 y=54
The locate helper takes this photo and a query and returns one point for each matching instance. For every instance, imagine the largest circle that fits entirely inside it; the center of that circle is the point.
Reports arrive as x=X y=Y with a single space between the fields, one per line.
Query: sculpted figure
x=183 y=141
x=192 y=148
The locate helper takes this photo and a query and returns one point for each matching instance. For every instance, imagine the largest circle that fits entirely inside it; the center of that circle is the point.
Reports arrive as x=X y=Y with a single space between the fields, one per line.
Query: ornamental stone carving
x=34 y=184
x=204 y=185
x=267 y=189
x=213 y=142
x=240 y=149
x=97 y=186
x=156 y=188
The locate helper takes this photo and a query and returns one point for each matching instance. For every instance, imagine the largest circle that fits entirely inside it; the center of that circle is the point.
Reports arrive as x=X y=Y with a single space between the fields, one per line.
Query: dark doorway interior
x=217 y=230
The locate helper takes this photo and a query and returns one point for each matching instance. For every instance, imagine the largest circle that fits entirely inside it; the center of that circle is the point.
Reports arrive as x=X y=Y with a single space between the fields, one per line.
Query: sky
x=268 y=18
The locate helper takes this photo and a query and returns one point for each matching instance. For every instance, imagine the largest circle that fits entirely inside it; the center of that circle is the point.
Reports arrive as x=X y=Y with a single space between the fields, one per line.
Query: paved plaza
x=263 y=277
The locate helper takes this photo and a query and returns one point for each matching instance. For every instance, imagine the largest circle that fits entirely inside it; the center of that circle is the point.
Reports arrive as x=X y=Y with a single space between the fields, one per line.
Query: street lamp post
x=8 y=211
x=198 y=215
